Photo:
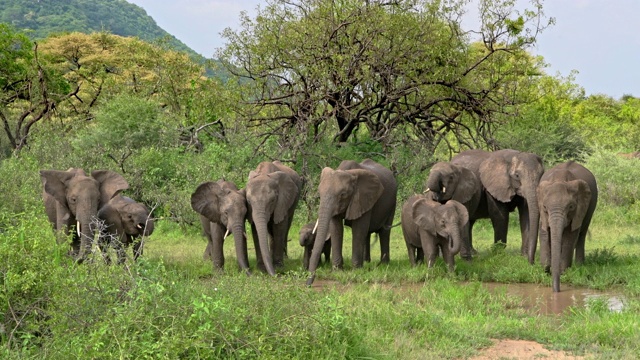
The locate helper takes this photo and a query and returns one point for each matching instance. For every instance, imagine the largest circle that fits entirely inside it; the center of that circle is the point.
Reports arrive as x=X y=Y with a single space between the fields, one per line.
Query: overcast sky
x=598 y=38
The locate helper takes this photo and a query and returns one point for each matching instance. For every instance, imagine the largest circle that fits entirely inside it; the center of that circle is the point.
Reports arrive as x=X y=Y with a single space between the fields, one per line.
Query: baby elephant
x=125 y=222
x=307 y=239
x=433 y=227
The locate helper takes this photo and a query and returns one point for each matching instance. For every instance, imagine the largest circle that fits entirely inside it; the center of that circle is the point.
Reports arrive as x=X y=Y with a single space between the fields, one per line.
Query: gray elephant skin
x=359 y=195
x=434 y=227
x=72 y=200
x=568 y=195
x=272 y=193
x=125 y=222
x=448 y=181
x=223 y=209
x=510 y=180
x=307 y=240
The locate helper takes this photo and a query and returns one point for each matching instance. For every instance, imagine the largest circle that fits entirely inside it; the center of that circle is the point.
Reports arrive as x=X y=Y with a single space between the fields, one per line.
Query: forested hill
x=39 y=18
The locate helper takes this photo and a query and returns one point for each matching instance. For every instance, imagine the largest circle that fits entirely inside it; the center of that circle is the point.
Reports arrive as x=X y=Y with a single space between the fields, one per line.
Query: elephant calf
x=433 y=227
x=125 y=222
x=307 y=239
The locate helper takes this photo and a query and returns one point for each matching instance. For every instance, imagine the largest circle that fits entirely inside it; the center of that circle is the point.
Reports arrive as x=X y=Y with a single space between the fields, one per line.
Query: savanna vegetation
x=315 y=82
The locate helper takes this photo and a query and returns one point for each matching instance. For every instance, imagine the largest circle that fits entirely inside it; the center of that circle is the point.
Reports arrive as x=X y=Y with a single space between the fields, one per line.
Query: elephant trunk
x=556 y=227
x=455 y=242
x=534 y=225
x=85 y=214
x=148 y=228
x=260 y=221
x=241 y=246
x=324 y=217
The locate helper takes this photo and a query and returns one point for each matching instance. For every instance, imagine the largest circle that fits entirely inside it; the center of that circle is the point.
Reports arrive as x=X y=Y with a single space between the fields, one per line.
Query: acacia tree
x=327 y=67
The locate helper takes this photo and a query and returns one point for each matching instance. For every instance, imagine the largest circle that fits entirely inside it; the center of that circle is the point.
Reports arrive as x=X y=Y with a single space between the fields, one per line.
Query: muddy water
x=542 y=299
x=535 y=298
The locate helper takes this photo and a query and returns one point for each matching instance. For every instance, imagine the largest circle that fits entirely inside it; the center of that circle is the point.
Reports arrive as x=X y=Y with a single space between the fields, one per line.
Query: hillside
x=39 y=18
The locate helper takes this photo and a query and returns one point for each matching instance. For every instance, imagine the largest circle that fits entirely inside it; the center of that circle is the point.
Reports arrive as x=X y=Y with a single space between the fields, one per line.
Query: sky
x=600 y=39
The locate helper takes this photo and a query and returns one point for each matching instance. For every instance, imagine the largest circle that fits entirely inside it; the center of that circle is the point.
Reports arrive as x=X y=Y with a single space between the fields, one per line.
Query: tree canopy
x=328 y=68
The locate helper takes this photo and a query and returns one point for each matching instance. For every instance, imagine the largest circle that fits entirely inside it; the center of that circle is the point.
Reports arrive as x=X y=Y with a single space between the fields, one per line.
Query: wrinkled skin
x=510 y=179
x=359 y=195
x=126 y=222
x=434 y=227
x=568 y=195
x=307 y=240
x=223 y=209
x=273 y=190
x=72 y=200
x=448 y=181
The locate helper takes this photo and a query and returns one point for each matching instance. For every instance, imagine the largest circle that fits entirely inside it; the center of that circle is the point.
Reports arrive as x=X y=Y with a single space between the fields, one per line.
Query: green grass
x=171 y=304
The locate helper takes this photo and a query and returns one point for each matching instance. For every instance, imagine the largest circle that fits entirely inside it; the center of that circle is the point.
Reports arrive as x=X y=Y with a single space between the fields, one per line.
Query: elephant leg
x=367 y=248
x=447 y=255
x=465 y=249
x=119 y=246
x=499 y=214
x=216 y=243
x=470 y=245
x=327 y=252
x=545 y=249
x=581 y=240
x=523 y=215
x=411 y=250
x=103 y=245
x=278 y=245
x=419 y=255
x=360 y=233
x=337 y=233
x=385 y=239
x=569 y=240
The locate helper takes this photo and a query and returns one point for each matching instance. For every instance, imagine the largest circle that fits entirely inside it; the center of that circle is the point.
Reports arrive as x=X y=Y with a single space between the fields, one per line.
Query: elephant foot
x=310 y=280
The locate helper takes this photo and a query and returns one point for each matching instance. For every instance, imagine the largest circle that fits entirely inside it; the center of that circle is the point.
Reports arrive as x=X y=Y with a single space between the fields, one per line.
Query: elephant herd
x=555 y=206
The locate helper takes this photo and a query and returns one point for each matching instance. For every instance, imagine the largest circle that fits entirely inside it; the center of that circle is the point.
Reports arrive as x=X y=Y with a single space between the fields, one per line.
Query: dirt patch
x=521 y=350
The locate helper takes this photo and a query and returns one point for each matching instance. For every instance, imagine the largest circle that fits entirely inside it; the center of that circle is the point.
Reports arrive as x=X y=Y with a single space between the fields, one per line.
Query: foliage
x=43 y=18
x=320 y=68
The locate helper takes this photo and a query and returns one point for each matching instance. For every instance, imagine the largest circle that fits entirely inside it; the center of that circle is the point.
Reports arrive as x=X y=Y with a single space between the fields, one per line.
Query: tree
x=29 y=91
x=317 y=67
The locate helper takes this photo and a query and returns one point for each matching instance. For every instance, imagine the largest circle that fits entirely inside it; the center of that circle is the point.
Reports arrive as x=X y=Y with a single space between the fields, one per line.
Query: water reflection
x=542 y=299
x=536 y=298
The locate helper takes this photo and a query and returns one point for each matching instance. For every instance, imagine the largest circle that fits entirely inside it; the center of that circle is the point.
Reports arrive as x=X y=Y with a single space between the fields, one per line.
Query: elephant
x=307 y=240
x=448 y=181
x=272 y=194
x=431 y=226
x=223 y=209
x=359 y=195
x=567 y=196
x=510 y=179
x=125 y=222
x=72 y=198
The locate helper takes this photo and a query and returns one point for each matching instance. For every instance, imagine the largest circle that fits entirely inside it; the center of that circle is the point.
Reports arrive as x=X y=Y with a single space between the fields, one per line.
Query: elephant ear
x=287 y=195
x=463 y=214
x=206 y=200
x=423 y=214
x=368 y=189
x=111 y=184
x=583 y=198
x=468 y=185
x=494 y=175
x=112 y=218
x=544 y=218
x=55 y=184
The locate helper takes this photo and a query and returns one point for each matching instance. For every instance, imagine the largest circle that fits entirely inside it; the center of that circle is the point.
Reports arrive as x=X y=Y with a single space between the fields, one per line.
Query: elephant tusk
x=139 y=226
x=444 y=189
x=426 y=191
x=78 y=228
x=226 y=234
x=315 y=227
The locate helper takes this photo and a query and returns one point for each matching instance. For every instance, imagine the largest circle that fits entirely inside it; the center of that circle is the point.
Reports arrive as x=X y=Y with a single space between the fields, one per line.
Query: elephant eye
x=72 y=199
x=572 y=207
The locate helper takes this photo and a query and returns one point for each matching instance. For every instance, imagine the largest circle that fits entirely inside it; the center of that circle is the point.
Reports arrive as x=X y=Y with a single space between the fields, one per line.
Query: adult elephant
x=510 y=179
x=72 y=198
x=434 y=227
x=362 y=196
x=568 y=195
x=448 y=181
x=272 y=192
x=125 y=222
x=307 y=240
x=223 y=209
